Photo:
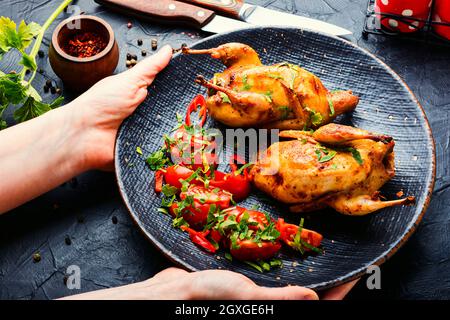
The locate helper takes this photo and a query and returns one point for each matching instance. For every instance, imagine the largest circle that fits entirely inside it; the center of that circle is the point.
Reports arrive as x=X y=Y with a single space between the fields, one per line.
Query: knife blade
x=261 y=16
x=168 y=11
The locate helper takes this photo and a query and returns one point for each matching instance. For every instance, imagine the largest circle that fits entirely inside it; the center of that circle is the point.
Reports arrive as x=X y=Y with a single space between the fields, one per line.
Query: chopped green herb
x=285 y=110
x=324 y=154
x=163 y=210
x=224 y=97
x=178 y=222
x=169 y=190
x=246 y=86
x=139 y=150
x=241 y=169
x=274 y=76
x=356 y=155
x=228 y=256
x=276 y=263
x=254 y=265
x=315 y=117
x=158 y=159
x=330 y=104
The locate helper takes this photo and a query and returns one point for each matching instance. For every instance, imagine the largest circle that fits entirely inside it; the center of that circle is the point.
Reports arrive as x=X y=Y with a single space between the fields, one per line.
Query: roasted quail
x=337 y=166
x=283 y=96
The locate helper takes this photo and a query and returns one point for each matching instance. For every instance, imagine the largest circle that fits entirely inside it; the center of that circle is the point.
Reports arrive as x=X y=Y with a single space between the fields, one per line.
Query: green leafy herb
x=139 y=150
x=276 y=262
x=285 y=111
x=14 y=89
x=356 y=155
x=169 y=190
x=331 y=105
x=268 y=96
x=228 y=256
x=254 y=265
x=158 y=159
x=246 y=86
x=324 y=154
x=224 y=97
x=245 y=166
x=274 y=76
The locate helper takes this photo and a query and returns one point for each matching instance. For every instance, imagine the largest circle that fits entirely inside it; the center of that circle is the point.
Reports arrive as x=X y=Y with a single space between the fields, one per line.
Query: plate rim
x=357 y=273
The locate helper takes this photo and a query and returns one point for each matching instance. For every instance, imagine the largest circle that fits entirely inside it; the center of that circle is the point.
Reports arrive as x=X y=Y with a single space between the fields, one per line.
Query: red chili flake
x=84 y=45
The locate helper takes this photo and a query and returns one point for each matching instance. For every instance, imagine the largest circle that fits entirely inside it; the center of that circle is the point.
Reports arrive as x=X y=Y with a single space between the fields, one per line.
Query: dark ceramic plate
x=351 y=243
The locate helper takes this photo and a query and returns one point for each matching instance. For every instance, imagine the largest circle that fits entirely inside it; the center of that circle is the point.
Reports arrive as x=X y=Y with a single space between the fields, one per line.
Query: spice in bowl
x=84 y=45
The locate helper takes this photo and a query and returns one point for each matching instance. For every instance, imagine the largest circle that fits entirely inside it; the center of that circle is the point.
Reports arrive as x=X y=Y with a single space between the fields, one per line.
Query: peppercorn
x=134 y=56
x=27 y=71
x=129 y=56
x=133 y=62
x=154 y=44
x=139 y=42
x=128 y=63
x=46 y=89
x=36 y=257
x=41 y=54
x=129 y=25
x=53 y=90
x=68 y=241
x=114 y=219
x=49 y=83
x=144 y=53
x=58 y=90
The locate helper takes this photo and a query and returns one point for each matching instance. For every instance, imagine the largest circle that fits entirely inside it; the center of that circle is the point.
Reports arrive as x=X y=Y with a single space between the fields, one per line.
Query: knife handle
x=230 y=8
x=162 y=11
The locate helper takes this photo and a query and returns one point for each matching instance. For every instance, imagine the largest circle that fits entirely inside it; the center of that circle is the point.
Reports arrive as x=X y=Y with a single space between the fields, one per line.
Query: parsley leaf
x=158 y=159
x=33 y=108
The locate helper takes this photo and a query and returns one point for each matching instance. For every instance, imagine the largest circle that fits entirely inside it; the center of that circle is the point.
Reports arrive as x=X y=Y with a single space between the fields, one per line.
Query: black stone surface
x=111 y=254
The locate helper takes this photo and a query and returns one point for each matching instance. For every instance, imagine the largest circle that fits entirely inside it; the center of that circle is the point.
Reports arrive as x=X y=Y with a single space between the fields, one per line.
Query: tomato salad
x=202 y=200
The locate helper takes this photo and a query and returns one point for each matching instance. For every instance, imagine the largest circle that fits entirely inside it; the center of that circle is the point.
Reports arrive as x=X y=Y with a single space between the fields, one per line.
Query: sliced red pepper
x=198 y=101
x=159 y=175
x=199 y=238
x=288 y=232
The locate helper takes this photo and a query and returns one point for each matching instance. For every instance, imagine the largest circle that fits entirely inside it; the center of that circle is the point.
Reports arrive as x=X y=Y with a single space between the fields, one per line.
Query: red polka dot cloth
x=442 y=14
x=418 y=9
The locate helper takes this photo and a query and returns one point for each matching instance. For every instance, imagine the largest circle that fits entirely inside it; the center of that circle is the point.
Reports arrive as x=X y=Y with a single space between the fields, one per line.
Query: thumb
x=147 y=69
x=285 y=293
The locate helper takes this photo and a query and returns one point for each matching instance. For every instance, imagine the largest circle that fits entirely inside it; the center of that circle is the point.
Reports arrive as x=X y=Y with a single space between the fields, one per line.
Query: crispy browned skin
x=282 y=96
x=290 y=171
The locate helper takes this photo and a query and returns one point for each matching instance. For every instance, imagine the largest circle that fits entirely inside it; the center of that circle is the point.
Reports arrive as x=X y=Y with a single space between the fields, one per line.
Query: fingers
x=147 y=69
x=285 y=293
x=340 y=292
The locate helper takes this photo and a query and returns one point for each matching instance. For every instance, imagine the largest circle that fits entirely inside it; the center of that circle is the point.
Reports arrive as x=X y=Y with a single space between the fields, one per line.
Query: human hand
x=177 y=284
x=101 y=110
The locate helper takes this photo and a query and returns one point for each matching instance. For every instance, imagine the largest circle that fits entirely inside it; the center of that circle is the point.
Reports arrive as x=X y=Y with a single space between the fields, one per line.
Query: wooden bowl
x=79 y=74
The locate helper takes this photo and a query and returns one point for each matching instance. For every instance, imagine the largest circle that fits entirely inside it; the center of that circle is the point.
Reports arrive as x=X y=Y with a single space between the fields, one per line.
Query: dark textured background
x=115 y=254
